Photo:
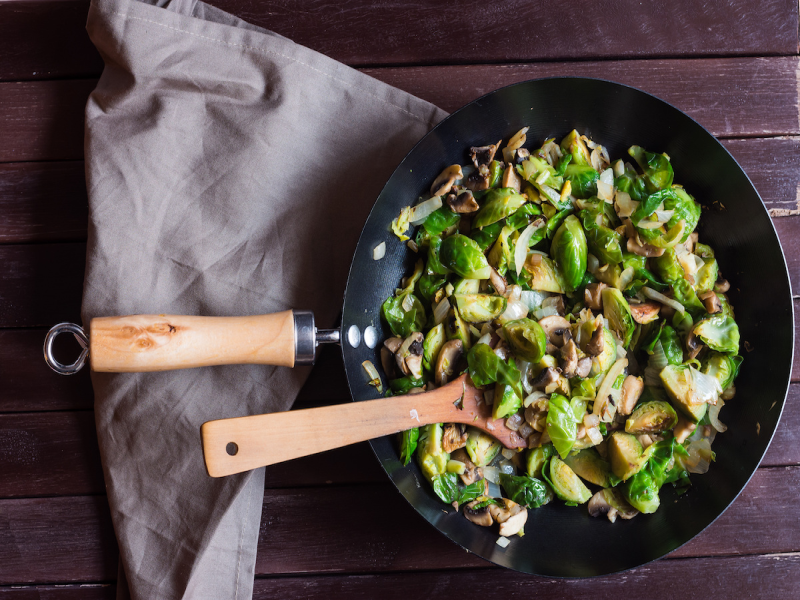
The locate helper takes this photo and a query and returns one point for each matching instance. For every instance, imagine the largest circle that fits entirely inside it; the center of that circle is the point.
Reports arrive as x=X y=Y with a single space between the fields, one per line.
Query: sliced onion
x=379 y=251
x=659 y=297
x=533 y=299
x=503 y=541
x=408 y=302
x=552 y=195
x=374 y=376
x=713 y=416
x=605 y=191
x=699 y=459
x=521 y=249
x=513 y=293
x=533 y=398
x=619 y=168
x=595 y=159
x=422 y=210
x=545 y=311
x=706 y=387
x=592 y=263
x=607 y=176
x=518 y=139
x=506 y=467
x=593 y=433
x=648 y=224
x=492 y=474
x=514 y=310
x=625 y=206
x=664 y=215
x=441 y=310
x=625 y=278
x=601 y=399
x=507 y=454
x=590 y=421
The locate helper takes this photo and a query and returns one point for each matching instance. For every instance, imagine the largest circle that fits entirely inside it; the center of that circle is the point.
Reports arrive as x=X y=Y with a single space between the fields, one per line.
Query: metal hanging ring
x=83 y=340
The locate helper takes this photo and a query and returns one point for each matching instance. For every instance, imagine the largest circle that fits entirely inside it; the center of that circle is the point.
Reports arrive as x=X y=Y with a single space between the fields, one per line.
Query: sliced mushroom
x=645 y=312
x=478 y=180
x=497 y=281
x=409 y=355
x=511 y=516
x=448 y=358
x=556 y=302
x=569 y=359
x=593 y=296
x=453 y=438
x=388 y=362
x=711 y=302
x=596 y=343
x=483 y=155
x=599 y=506
x=691 y=241
x=521 y=155
x=480 y=516
x=632 y=389
x=557 y=329
x=683 y=429
x=463 y=203
x=545 y=378
x=416 y=390
x=471 y=472
x=511 y=179
x=643 y=249
x=584 y=367
x=393 y=344
x=444 y=182
x=722 y=286
x=693 y=344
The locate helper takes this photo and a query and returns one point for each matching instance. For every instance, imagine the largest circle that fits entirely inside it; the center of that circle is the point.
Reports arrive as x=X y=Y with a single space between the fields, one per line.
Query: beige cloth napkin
x=230 y=172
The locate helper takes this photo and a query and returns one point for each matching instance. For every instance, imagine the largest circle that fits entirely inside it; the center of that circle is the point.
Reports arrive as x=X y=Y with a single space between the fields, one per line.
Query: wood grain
x=85 y=591
x=47 y=39
x=43 y=120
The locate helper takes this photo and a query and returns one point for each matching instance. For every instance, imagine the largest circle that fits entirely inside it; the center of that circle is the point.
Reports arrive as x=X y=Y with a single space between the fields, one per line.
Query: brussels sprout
x=657 y=168
x=686 y=210
x=447 y=488
x=605 y=244
x=667 y=266
x=404 y=322
x=555 y=220
x=632 y=184
x=588 y=465
x=495 y=173
x=464 y=257
x=402 y=385
x=561 y=424
x=434 y=263
x=440 y=221
x=434 y=341
x=544 y=276
x=570 y=252
x=649 y=205
x=679 y=385
x=478 y=308
x=642 y=489
x=651 y=417
x=466 y=286
x=685 y=294
x=719 y=333
x=485 y=367
x=432 y=459
x=506 y=401
x=682 y=322
x=526 y=338
x=498 y=205
x=573 y=144
x=672 y=346
x=482 y=448
x=706 y=276
x=457 y=329
x=537 y=458
x=522 y=217
x=500 y=256
x=408 y=444
x=487 y=236
x=428 y=285
x=583 y=179
x=526 y=491
x=641 y=274
x=566 y=484
x=618 y=313
x=723 y=367
x=625 y=454
x=703 y=251
x=603 y=361
x=533 y=168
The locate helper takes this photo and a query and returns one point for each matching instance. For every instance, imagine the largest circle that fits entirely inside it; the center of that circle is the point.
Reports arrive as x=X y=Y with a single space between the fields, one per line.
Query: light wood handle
x=243 y=443
x=164 y=342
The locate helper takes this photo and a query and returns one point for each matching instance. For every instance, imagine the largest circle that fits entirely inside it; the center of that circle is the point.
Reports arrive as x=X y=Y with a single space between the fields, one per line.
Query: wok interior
x=564 y=541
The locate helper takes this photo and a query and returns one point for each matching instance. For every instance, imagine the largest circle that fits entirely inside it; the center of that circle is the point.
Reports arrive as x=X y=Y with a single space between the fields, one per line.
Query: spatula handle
x=243 y=443
x=164 y=342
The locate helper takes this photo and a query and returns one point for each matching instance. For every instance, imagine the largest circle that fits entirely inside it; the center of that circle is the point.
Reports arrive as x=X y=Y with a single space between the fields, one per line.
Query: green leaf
x=408 y=444
x=561 y=424
x=525 y=491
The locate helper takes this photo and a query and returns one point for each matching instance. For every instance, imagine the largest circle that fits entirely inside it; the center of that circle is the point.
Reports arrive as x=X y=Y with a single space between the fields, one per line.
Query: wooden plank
x=773 y=576
x=85 y=591
x=43 y=120
x=47 y=39
x=345 y=529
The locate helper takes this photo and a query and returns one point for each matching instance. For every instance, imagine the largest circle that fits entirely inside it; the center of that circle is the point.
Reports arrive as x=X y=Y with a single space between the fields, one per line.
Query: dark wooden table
x=332 y=525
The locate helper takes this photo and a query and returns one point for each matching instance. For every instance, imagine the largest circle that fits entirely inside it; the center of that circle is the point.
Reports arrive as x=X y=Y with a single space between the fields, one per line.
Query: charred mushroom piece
x=545 y=378
x=446 y=179
x=511 y=516
x=596 y=343
x=483 y=155
x=409 y=355
x=521 y=155
x=478 y=180
x=693 y=345
x=472 y=473
x=632 y=389
x=393 y=344
x=497 y=281
x=645 y=312
x=453 y=438
x=683 y=429
x=569 y=359
x=722 y=286
x=464 y=203
x=711 y=302
x=643 y=249
x=388 y=362
x=511 y=179
x=480 y=516
x=593 y=296
x=599 y=506
x=691 y=241
x=448 y=358
x=584 y=367
x=557 y=329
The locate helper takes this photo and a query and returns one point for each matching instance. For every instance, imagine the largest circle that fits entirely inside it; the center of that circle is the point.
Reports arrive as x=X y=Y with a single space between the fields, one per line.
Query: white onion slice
x=601 y=399
x=607 y=176
x=651 y=378
x=533 y=398
x=533 y=299
x=379 y=251
x=374 y=376
x=545 y=311
x=659 y=297
x=699 y=459
x=592 y=263
x=619 y=168
x=552 y=195
x=485 y=339
x=625 y=278
x=664 y=215
x=517 y=139
x=515 y=310
x=423 y=210
x=713 y=416
x=625 y=206
x=706 y=387
x=595 y=159
x=593 y=433
x=507 y=454
x=605 y=191
x=441 y=310
x=408 y=302
x=503 y=541
x=492 y=474
x=521 y=249
x=648 y=224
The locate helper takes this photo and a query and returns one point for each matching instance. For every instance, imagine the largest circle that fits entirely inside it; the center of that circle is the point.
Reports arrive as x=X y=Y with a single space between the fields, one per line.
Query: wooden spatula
x=240 y=444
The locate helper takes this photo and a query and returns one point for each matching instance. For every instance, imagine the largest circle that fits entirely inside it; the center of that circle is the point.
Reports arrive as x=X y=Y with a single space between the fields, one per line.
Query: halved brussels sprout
x=544 y=275
x=679 y=385
x=482 y=448
x=434 y=341
x=466 y=286
x=588 y=465
x=605 y=244
x=478 y=308
x=625 y=454
x=506 y=401
x=561 y=424
x=603 y=361
x=440 y=221
x=498 y=204
x=651 y=417
x=573 y=144
x=456 y=328
x=719 y=333
x=686 y=210
x=723 y=367
x=707 y=276
x=432 y=459
x=657 y=168
x=464 y=257
x=570 y=252
x=537 y=457
x=566 y=484
x=583 y=179
x=618 y=313
x=526 y=338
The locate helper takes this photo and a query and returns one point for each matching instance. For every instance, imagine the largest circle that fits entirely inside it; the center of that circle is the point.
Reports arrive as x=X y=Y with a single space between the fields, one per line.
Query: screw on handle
x=50 y=338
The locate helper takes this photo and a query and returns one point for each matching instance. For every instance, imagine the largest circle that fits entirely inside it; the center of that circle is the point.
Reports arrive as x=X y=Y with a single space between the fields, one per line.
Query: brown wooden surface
x=332 y=525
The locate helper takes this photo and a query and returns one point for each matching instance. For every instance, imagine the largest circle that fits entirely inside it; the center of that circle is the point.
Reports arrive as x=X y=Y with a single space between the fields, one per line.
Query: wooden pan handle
x=243 y=443
x=164 y=342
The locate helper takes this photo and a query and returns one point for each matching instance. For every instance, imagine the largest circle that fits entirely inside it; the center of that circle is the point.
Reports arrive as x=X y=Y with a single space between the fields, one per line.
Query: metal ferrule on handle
x=141 y=343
